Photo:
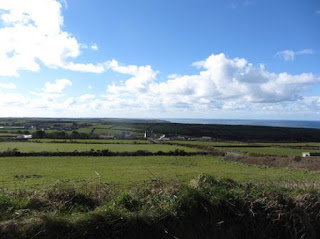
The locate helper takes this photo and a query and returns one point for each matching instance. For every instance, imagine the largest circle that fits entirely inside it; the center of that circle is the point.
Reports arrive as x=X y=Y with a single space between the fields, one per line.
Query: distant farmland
x=70 y=147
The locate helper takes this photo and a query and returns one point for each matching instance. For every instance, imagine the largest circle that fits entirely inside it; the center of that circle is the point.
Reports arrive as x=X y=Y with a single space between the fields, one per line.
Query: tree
x=39 y=134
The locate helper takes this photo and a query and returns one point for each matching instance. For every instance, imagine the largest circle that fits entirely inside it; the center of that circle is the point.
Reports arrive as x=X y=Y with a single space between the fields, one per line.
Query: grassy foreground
x=205 y=208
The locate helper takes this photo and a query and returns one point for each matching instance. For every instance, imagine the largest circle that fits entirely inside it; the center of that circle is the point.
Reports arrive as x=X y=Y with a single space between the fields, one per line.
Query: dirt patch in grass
x=310 y=163
x=22 y=176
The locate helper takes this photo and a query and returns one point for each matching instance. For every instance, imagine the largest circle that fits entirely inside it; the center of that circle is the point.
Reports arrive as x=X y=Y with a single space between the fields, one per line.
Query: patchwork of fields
x=40 y=172
x=58 y=184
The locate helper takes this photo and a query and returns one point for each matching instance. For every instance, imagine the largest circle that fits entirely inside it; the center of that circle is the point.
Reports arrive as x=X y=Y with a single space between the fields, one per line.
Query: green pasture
x=206 y=143
x=105 y=131
x=289 y=144
x=231 y=143
x=39 y=172
x=93 y=141
x=6 y=135
x=105 y=126
x=86 y=130
x=270 y=149
x=70 y=147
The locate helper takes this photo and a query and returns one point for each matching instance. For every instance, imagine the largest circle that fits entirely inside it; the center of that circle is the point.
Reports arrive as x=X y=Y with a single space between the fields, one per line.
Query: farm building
x=164 y=138
x=305 y=154
x=205 y=138
x=24 y=137
x=106 y=136
x=308 y=154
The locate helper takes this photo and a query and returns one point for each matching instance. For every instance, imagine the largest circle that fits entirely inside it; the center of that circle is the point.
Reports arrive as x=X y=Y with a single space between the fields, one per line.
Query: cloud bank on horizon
x=33 y=38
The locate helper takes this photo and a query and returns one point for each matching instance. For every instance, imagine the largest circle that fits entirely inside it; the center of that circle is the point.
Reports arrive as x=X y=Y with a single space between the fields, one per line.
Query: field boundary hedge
x=97 y=153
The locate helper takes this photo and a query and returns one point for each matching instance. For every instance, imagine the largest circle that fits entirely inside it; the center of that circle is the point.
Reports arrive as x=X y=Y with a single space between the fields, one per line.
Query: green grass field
x=86 y=130
x=93 y=141
x=104 y=131
x=228 y=143
x=39 y=172
x=7 y=135
x=301 y=144
x=70 y=147
x=270 y=149
x=207 y=143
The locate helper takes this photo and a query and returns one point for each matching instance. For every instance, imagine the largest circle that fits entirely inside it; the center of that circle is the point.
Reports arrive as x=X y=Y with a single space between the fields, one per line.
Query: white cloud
x=8 y=100
x=305 y=52
x=32 y=33
x=86 y=97
x=173 y=76
x=223 y=87
x=58 y=86
x=8 y=86
x=94 y=47
x=222 y=83
x=140 y=81
x=289 y=55
x=46 y=95
x=65 y=3
x=99 y=68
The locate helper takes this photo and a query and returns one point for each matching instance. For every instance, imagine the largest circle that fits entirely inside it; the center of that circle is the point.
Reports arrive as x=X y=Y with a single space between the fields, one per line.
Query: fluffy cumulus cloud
x=89 y=67
x=221 y=84
x=142 y=77
x=7 y=86
x=223 y=87
x=289 y=55
x=86 y=97
x=58 y=86
x=32 y=32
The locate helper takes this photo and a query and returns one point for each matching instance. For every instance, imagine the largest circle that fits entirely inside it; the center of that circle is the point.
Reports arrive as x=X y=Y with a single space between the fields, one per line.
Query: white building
x=205 y=138
x=306 y=154
x=164 y=138
x=106 y=136
x=24 y=136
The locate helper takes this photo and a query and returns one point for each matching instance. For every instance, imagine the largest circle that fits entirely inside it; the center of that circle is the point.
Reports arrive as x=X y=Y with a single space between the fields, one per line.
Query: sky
x=214 y=59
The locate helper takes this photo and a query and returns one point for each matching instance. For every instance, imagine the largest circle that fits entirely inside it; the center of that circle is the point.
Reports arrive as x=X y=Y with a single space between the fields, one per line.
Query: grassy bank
x=204 y=208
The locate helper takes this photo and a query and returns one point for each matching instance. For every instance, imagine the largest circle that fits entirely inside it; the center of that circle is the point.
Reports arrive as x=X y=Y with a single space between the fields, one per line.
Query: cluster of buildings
x=164 y=137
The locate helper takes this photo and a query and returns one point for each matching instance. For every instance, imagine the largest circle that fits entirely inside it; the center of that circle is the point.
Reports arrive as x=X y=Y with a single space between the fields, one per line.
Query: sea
x=274 y=123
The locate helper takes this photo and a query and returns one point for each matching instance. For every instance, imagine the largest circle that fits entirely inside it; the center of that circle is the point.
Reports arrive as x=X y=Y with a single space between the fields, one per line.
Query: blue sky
x=237 y=59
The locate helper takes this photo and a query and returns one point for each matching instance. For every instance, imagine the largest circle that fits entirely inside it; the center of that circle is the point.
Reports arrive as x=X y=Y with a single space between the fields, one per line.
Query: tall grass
x=206 y=208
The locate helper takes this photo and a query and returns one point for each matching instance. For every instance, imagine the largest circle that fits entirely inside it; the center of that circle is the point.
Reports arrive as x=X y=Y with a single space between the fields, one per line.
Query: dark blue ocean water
x=276 y=123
